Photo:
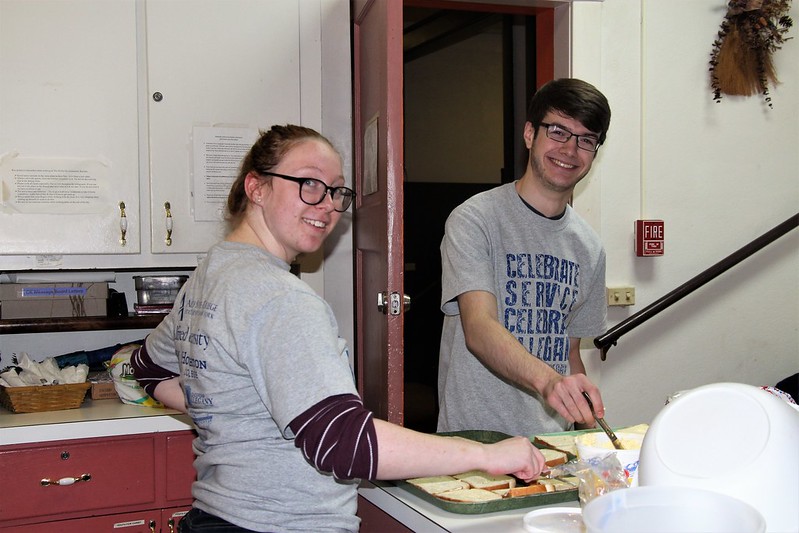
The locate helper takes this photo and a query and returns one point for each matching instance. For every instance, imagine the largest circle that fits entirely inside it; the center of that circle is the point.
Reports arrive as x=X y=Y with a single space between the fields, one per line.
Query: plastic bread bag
x=128 y=389
x=597 y=475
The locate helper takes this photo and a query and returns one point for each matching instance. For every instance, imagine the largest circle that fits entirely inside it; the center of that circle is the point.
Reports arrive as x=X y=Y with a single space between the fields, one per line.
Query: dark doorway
x=463 y=135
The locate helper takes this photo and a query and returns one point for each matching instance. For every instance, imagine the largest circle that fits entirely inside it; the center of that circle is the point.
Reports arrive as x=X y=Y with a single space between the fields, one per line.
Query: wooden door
x=377 y=51
x=379 y=171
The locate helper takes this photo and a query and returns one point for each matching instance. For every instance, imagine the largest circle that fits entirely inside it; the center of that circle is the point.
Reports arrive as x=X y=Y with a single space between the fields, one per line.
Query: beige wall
x=719 y=175
x=453 y=113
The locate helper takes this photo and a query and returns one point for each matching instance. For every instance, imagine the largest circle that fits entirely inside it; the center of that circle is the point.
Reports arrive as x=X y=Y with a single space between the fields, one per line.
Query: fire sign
x=648 y=238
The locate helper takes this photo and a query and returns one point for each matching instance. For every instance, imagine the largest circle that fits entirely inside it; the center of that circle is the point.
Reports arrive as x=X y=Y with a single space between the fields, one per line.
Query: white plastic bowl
x=670 y=510
x=731 y=438
x=597 y=444
x=554 y=520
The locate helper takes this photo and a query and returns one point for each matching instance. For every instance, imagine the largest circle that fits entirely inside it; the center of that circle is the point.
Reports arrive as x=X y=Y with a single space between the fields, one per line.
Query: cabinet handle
x=171 y=524
x=123 y=224
x=168 y=209
x=152 y=526
x=65 y=481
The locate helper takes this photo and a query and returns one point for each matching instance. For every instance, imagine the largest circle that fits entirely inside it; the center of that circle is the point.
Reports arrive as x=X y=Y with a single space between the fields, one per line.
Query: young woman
x=252 y=353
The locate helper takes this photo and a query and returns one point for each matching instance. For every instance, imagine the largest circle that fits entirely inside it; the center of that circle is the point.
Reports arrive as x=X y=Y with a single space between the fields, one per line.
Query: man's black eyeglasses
x=313 y=191
x=589 y=143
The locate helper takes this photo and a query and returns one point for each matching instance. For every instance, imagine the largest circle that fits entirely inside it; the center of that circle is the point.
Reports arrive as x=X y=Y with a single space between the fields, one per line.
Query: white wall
x=719 y=175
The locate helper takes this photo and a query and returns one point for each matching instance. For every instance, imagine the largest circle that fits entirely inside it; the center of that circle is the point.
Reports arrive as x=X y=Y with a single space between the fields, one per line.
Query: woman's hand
x=515 y=456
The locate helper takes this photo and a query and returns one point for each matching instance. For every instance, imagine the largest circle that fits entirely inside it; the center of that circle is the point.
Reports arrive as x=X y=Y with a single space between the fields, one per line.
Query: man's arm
x=497 y=348
x=576 y=366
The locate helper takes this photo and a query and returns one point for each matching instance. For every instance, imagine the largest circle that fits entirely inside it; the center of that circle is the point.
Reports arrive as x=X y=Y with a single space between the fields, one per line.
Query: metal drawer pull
x=123 y=224
x=168 y=209
x=66 y=481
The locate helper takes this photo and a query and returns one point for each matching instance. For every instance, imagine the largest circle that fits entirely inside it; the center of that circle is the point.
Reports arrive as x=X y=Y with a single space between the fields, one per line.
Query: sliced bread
x=469 y=495
x=437 y=484
x=563 y=442
x=532 y=488
x=478 y=479
x=554 y=457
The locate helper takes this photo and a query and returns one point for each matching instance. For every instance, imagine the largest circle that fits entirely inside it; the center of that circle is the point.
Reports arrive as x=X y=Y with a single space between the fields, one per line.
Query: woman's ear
x=252 y=186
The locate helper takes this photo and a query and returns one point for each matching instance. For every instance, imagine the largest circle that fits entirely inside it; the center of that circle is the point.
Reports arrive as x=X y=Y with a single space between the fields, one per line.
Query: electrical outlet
x=621 y=296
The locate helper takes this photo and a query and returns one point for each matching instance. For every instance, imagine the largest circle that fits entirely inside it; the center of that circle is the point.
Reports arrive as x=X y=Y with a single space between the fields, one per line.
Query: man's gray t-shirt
x=548 y=277
x=255 y=347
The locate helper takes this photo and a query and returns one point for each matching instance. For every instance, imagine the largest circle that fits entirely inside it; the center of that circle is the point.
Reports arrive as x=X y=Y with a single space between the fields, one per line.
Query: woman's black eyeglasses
x=313 y=191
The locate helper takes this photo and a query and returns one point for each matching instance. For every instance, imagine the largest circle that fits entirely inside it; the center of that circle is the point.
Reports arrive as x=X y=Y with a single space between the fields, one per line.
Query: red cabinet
x=124 y=484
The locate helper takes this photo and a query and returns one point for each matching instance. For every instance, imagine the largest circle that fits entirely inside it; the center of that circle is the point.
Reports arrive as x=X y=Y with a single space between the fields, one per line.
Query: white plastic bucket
x=670 y=510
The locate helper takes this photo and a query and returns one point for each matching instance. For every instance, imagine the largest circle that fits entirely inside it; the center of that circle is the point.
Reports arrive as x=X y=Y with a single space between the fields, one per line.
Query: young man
x=524 y=280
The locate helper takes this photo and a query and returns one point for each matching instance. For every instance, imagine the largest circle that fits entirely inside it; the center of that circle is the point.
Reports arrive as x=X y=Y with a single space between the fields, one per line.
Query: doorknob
x=390 y=304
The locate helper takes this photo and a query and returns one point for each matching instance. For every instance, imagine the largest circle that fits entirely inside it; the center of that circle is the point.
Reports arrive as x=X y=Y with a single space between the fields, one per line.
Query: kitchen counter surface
x=105 y=418
x=420 y=515
x=94 y=418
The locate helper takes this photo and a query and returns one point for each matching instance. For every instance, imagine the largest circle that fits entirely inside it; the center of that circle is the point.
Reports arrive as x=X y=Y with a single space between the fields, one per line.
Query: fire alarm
x=648 y=238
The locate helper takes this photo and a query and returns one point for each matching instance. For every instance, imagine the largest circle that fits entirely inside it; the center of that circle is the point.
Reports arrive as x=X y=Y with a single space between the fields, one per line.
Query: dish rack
x=36 y=399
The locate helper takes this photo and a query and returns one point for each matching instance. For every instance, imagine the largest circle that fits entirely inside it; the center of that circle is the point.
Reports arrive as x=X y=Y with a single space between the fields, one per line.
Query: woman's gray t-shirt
x=255 y=347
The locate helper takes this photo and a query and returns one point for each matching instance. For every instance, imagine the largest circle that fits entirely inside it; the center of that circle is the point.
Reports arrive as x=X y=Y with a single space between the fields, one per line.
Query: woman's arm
x=340 y=436
x=170 y=393
x=405 y=453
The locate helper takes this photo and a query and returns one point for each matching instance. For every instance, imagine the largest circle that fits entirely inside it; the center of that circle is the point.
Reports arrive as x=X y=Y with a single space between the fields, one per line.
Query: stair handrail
x=609 y=338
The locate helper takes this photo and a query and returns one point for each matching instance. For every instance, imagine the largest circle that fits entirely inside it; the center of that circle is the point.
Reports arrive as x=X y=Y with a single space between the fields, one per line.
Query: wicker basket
x=36 y=399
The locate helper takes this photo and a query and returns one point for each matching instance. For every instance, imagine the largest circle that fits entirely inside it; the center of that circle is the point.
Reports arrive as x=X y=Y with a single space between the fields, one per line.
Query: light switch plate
x=621 y=296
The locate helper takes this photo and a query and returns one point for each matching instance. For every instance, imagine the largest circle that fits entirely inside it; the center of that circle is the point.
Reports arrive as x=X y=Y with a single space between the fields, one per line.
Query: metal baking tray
x=505 y=504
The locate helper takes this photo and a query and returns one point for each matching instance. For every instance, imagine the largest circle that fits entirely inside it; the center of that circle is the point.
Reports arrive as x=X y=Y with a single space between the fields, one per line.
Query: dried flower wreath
x=740 y=63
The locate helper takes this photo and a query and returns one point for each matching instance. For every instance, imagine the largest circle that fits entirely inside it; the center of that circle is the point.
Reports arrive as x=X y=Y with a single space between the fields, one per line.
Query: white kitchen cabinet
x=68 y=128
x=231 y=67
x=120 y=94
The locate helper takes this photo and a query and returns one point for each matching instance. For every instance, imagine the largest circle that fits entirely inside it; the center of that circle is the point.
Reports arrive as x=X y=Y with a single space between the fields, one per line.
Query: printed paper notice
x=217 y=157
x=53 y=186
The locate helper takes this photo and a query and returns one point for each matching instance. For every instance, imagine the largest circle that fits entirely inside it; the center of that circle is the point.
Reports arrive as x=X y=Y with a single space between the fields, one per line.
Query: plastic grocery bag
x=128 y=389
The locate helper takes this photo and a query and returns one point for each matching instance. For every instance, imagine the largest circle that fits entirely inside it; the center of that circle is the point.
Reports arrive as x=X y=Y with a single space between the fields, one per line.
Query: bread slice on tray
x=554 y=457
x=469 y=496
x=532 y=488
x=438 y=484
x=563 y=442
x=558 y=484
x=478 y=479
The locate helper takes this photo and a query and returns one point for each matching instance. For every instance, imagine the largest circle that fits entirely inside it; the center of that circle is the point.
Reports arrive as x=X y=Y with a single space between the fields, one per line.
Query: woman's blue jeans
x=198 y=521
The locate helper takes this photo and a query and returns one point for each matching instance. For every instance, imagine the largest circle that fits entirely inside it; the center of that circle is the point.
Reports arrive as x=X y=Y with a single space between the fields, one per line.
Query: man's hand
x=565 y=395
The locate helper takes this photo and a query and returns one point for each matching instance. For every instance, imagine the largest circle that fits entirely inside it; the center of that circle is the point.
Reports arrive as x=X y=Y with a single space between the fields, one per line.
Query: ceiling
x=429 y=30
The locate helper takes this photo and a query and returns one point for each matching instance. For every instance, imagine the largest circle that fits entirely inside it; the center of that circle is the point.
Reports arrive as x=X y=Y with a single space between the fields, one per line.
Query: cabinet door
x=69 y=149
x=180 y=473
x=216 y=71
x=136 y=522
x=107 y=475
